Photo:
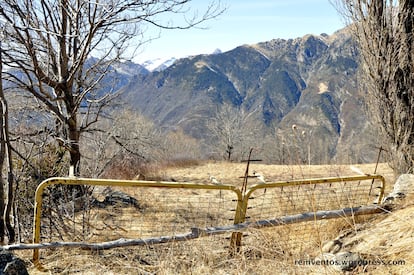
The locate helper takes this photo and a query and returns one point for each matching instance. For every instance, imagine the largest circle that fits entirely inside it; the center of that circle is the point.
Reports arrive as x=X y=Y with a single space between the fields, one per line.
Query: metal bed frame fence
x=156 y=209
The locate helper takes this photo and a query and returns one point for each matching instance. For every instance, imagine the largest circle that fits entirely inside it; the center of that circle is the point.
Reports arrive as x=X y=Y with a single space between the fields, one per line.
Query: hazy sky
x=244 y=22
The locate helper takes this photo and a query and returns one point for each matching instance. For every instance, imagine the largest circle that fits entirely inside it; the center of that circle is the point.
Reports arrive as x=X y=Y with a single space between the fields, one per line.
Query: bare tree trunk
x=9 y=206
x=405 y=85
x=2 y=156
x=10 y=174
x=384 y=31
x=75 y=154
x=6 y=152
x=400 y=89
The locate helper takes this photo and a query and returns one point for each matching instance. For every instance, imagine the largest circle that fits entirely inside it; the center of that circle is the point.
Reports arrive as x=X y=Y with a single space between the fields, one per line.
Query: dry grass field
x=382 y=237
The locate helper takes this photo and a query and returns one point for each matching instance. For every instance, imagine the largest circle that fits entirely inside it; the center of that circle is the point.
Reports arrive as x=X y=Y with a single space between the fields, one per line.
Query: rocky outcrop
x=402 y=187
x=104 y=197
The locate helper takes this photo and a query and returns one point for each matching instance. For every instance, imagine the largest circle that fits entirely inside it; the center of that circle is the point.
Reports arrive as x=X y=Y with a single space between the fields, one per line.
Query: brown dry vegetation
x=264 y=251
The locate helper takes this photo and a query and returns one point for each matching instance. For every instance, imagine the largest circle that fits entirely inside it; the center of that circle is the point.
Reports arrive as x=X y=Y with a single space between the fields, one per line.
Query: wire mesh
x=156 y=209
x=270 y=202
x=135 y=212
x=300 y=238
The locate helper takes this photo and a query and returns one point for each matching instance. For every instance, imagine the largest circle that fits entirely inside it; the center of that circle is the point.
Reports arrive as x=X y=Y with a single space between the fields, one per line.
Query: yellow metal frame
x=109 y=182
x=242 y=206
x=242 y=199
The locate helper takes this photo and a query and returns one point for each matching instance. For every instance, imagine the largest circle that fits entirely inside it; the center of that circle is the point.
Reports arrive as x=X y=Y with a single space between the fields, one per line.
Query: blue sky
x=244 y=22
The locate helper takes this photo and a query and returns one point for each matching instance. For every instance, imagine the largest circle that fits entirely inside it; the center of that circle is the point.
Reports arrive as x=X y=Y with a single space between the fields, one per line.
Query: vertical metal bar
x=240 y=216
x=246 y=173
x=376 y=166
x=382 y=190
x=37 y=217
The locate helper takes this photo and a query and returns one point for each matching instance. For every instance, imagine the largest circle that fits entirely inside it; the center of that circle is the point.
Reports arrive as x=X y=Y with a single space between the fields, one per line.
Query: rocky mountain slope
x=308 y=83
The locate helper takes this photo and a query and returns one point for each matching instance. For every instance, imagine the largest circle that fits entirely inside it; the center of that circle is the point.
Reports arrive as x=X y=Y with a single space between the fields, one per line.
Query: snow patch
x=201 y=64
x=323 y=88
x=158 y=64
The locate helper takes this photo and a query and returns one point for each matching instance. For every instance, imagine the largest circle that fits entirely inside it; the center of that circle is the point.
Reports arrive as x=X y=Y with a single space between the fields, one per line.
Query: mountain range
x=302 y=94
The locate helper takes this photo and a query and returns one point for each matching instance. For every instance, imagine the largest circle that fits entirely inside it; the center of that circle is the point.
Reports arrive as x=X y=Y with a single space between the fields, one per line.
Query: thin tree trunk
x=74 y=136
x=10 y=177
x=2 y=156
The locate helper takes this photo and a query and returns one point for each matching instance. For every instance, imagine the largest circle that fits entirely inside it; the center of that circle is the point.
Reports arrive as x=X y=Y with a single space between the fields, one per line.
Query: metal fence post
x=239 y=217
x=37 y=217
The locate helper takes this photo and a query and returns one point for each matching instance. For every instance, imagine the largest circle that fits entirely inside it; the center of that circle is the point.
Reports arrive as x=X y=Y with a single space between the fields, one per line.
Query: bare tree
x=177 y=146
x=232 y=129
x=126 y=134
x=49 y=45
x=384 y=31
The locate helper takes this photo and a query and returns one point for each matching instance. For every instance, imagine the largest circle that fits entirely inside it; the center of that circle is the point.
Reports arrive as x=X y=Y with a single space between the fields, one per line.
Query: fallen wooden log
x=200 y=232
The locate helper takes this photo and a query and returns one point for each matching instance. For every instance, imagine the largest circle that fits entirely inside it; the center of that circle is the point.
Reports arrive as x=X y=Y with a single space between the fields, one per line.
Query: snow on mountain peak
x=158 y=64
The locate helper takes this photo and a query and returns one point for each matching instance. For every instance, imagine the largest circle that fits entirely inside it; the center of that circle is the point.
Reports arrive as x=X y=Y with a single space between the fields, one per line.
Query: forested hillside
x=295 y=98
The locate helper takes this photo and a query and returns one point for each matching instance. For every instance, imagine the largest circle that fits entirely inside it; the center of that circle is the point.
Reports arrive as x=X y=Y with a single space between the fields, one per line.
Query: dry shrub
x=125 y=166
x=128 y=167
x=49 y=161
x=179 y=146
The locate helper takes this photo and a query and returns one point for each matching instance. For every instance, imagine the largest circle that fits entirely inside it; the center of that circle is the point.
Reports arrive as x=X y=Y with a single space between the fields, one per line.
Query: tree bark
x=6 y=152
x=74 y=151
x=384 y=31
x=2 y=154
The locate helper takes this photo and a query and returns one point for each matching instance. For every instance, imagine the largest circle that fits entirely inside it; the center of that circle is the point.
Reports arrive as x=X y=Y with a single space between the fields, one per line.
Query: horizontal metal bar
x=136 y=183
x=316 y=181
